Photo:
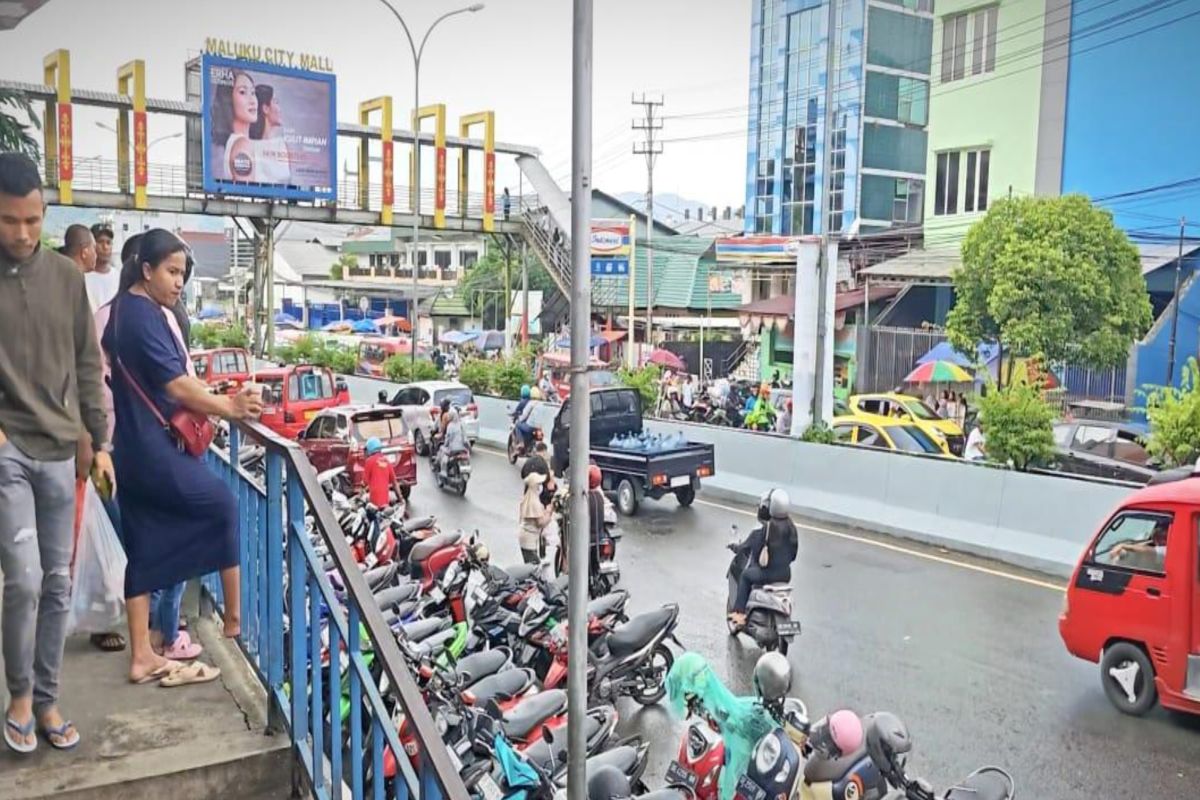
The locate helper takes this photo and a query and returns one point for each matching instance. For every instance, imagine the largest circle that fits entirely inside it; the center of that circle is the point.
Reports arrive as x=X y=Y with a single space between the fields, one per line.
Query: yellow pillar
x=438 y=112
x=488 y=120
x=133 y=73
x=384 y=106
x=60 y=129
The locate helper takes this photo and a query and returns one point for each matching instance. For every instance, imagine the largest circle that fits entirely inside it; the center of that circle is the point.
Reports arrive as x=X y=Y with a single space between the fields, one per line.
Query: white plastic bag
x=98 y=589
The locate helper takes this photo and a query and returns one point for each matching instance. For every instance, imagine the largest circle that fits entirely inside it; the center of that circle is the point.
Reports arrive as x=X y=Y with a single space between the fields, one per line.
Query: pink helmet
x=846 y=731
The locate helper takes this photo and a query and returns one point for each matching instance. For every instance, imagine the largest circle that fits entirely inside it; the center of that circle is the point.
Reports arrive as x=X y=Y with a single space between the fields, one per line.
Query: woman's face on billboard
x=245 y=103
x=273 y=111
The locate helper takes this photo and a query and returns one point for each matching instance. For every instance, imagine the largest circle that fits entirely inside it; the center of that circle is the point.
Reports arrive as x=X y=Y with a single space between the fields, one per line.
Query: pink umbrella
x=665 y=358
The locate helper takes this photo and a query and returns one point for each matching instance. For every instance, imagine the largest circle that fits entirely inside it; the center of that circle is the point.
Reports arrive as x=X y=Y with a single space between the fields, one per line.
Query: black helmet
x=608 y=783
x=887 y=744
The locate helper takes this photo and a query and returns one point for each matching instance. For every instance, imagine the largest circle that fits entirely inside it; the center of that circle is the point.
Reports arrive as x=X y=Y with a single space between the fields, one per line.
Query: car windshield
x=602 y=378
x=919 y=410
x=460 y=397
x=384 y=427
x=272 y=390
x=912 y=439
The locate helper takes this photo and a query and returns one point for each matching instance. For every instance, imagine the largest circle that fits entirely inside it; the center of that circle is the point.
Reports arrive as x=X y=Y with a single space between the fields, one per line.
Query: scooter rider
x=439 y=433
x=454 y=441
x=521 y=416
x=596 y=530
x=771 y=548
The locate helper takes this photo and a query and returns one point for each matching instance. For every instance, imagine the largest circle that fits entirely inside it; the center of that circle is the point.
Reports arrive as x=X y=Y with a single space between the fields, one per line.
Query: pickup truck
x=633 y=474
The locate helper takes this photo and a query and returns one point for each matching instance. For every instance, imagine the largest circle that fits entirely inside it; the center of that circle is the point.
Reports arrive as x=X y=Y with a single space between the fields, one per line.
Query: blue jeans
x=164 y=612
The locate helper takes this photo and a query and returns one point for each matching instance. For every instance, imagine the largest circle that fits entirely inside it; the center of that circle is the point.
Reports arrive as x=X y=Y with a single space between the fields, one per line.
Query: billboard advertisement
x=268 y=131
x=610 y=247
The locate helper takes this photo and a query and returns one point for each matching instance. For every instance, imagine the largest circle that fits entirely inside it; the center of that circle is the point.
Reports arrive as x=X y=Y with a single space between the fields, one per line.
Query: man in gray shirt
x=50 y=392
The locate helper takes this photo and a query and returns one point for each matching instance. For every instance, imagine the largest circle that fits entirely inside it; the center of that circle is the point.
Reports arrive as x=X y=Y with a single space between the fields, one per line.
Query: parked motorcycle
x=603 y=571
x=769 y=609
x=888 y=743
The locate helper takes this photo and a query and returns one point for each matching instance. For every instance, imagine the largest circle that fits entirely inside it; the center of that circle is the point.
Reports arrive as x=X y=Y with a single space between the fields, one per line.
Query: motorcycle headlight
x=766 y=754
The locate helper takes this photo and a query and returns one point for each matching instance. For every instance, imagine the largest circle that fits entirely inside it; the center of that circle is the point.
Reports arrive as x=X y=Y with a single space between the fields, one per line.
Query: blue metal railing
x=318 y=653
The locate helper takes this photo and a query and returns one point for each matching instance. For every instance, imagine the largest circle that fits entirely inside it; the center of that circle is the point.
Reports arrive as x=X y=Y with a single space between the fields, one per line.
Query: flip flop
x=22 y=731
x=61 y=733
x=167 y=669
x=184 y=649
x=190 y=676
x=108 y=642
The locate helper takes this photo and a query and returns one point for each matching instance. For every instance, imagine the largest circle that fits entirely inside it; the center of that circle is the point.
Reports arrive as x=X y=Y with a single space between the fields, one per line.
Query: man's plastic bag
x=98 y=589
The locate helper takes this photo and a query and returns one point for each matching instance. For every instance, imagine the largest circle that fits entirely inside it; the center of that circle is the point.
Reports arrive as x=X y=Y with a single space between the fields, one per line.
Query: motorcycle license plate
x=680 y=480
x=747 y=789
x=535 y=603
x=679 y=775
x=487 y=786
x=790 y=627
x=610 y=568
x=437 y=595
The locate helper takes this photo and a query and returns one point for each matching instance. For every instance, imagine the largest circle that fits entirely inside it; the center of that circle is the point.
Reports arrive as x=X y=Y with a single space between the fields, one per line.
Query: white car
x=421 y=400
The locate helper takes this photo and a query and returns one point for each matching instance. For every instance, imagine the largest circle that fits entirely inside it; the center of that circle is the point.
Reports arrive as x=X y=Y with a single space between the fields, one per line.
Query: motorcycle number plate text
x=536 y=604
x=679 y=775
x=487 y=785
x=789 y=627
x=437 y=595
x=749 y=790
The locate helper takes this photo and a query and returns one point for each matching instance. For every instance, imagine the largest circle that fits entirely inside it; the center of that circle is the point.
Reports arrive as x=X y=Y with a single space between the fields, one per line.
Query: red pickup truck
x=337 y=437
x=294 y=395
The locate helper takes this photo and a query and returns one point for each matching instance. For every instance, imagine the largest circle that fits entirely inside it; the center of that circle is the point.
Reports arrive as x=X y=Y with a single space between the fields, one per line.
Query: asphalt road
x=965 y=651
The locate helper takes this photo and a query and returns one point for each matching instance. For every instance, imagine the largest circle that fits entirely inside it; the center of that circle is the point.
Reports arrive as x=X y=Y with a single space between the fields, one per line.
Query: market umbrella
x=665 y=358
x=208 y=312
x=388 y=321
x=337 y=325
x=364 y=326
x=938 y=372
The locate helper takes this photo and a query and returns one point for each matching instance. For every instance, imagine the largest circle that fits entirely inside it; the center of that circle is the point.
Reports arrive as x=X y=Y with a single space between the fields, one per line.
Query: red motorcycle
x=701 y=756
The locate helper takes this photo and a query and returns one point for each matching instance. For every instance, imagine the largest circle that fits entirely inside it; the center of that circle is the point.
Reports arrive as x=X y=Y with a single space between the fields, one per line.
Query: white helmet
x=772 y=677
x=774 y=504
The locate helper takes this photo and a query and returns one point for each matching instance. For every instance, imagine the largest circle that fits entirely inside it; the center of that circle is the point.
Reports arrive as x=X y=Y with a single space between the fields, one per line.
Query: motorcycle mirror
x=548 y=734
x=493 y=710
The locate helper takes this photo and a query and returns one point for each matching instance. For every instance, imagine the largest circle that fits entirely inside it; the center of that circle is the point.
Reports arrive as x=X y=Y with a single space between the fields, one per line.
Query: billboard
x=268 y=131
x=759 y=249
x=610 y=247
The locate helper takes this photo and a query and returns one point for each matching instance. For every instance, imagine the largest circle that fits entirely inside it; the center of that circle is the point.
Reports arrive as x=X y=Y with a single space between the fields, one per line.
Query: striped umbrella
x=939 y=372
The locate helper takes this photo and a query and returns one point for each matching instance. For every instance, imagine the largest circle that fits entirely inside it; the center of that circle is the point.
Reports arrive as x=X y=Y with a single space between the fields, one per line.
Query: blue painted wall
x=1152 y=352
x=1133 y=109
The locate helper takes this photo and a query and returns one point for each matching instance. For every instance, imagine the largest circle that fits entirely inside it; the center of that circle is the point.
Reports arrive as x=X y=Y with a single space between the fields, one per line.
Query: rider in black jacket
x=769 y=549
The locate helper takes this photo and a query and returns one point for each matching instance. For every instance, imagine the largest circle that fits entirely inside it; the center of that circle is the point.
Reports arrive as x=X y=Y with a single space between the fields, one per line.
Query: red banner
x=489 y=184
x=140 y=149
x=389 y=192
x=439 y=202
x=66 y=137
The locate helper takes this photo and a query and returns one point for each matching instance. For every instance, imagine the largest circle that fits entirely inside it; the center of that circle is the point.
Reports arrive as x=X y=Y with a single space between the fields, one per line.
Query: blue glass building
x=881 y=109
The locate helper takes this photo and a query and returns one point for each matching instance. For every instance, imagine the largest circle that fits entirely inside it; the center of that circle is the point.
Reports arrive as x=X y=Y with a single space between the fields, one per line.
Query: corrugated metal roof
x=1156 y=256
x=680 y=277
x=917 y=265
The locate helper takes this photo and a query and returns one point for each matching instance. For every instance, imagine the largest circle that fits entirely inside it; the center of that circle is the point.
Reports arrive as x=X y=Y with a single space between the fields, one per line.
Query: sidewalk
x=146 y=741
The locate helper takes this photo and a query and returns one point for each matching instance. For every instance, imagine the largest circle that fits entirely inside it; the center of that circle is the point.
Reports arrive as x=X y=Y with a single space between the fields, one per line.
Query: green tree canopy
x=345 y=262
x=482 y=285
x=14 y=131
x=1174 y=415
x=1049 y=275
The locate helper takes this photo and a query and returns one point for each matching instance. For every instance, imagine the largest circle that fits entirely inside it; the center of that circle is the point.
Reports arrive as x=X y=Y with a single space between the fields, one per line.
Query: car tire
x=1132 y=659
x=627 y=499
x=512 y=449
x=419 y=443
x=686 y=495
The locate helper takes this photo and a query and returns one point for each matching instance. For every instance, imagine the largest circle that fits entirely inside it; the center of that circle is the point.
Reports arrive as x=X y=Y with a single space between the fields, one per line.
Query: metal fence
x=318 y=652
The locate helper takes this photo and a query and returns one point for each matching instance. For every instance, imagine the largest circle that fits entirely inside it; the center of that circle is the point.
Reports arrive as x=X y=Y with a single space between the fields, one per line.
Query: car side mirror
x=341 y=386
x=302 y=435
x=382 y=396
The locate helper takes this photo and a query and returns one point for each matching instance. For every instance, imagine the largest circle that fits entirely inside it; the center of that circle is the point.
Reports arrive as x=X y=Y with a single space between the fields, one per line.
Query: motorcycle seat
x=380 y=576
x=521 y=572
x=521 y=721
x=639 y=631
x=777 y=588
x=984 y=784
x=419 y=523
x=396 y=595
x=826 y=770
x=478 y=666
x=623 y=758
x=424 y=628
x=607 y=604
x=666 y=794
x=539 y=752
x=423 y=550
x=501 y=686
x=400 y=612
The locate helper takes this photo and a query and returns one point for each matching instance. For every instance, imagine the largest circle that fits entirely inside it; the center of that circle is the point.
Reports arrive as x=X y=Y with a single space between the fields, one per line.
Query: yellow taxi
x=887 y=433
x=914 y=410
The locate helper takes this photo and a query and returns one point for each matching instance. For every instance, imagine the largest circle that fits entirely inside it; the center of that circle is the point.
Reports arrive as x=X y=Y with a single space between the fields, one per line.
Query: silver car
x=422 y=402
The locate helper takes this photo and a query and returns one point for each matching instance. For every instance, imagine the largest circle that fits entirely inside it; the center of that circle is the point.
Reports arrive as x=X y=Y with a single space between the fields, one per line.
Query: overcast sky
x=514 y=57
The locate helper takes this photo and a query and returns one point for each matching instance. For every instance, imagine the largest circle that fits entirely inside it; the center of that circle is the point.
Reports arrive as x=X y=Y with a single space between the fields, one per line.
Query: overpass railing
x=321 y=655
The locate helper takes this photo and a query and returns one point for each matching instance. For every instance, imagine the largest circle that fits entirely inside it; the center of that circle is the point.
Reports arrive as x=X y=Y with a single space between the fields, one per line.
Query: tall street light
x=417 y=52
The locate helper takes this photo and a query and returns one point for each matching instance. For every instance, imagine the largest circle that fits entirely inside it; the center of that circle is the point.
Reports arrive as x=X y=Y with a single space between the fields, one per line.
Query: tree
x=342 y=266
x=14 y=133
x=1049 y=275
x=1174 y=416
x=482 y=286
x=1018 y=426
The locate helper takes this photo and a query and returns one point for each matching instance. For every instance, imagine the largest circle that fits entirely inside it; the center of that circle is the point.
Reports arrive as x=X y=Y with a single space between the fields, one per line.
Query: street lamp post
x=417 y=52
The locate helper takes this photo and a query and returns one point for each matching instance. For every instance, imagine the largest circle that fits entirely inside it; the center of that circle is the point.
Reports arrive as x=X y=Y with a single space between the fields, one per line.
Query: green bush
x=1174 y=416
x=477 y=374
x=344 y=361
x=509 y=376
x=400 y=369
x=818 y=433
x=1018 y=426
x=645 y=380
x=208 y=335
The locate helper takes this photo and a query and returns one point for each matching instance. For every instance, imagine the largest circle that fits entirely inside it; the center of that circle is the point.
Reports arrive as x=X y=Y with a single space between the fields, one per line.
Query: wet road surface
x=966 y=652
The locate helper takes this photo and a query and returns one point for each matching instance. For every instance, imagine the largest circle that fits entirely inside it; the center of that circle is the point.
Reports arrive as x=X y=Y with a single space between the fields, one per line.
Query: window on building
x=975 y=194
x=899 y=41
x=442 y=258
x=898 y=200
x=894 y=148
x=912 y=5
x=945 y=193
x=954 y=47
x=467 y=258
x=901 y=99
x=983 y=56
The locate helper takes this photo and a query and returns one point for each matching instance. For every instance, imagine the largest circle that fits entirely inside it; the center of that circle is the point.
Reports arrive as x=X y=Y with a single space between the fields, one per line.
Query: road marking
x=895 y=548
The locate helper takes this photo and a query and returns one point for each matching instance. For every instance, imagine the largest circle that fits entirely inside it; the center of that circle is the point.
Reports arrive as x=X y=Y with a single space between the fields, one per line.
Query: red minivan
x=337 y=437
x=293 y=395
x=225 y=368
x=1134 y=601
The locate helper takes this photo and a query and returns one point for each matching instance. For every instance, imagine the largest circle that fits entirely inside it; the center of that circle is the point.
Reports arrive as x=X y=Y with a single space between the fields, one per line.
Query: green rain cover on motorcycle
x=742 y=721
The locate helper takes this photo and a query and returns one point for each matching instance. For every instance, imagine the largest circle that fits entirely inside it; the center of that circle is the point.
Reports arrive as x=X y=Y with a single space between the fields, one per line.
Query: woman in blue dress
x=179 y=520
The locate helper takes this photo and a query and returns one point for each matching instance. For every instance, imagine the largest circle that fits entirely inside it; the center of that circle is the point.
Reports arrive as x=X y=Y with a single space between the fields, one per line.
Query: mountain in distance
x=668 y=206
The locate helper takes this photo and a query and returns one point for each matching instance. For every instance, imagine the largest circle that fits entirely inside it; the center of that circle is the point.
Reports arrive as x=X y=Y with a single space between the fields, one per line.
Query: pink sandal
x=183 y=649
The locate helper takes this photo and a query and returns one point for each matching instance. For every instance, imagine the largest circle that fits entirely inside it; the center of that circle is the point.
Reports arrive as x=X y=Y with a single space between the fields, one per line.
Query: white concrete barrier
x=1032 y=520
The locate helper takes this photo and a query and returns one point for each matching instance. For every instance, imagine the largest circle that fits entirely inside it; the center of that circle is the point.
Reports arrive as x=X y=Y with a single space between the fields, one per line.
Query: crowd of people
x=96 y=385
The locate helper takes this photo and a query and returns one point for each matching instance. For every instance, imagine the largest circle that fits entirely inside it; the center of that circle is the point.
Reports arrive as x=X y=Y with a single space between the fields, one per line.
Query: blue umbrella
x=208 y=312
x=594 y=342
x=459 y=337
x=282 y=318
x=365 y=326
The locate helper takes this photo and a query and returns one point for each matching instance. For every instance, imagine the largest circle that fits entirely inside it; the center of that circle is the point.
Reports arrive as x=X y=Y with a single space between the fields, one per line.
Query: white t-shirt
x=102 y=286
x=975 y=443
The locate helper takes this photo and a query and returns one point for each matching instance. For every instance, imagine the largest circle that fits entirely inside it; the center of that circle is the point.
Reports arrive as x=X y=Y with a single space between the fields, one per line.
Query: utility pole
x=825 y=271
x=580 y=434
x=1175 y=303
x=651 y=150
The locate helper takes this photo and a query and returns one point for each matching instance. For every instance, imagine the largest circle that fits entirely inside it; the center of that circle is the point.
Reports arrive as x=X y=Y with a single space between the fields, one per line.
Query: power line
x=651 y=149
